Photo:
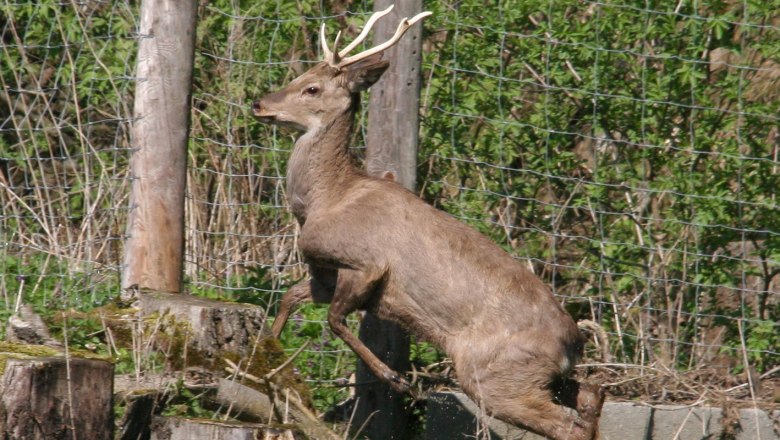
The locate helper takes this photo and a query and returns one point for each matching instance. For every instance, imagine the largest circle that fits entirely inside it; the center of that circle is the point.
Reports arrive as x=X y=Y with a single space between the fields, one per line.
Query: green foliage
x=65 y=81
x=43 y=283
x=424 y=353
x=601 y=142
x=184 y=402
x=762 y=339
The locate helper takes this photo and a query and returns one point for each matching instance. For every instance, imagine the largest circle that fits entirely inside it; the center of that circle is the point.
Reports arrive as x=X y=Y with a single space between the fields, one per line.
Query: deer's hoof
x=398 y=383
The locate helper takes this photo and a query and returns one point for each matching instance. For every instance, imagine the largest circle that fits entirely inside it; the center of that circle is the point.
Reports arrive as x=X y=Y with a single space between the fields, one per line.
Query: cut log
x=245 y=403
x=174 y=428
x=249 y=404
x=52 y=398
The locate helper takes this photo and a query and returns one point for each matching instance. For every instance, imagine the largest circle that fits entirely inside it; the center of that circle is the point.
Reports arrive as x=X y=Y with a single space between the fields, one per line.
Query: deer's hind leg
x=539 y=414
x=587 y=399
x=519 y=391
x=354 y=289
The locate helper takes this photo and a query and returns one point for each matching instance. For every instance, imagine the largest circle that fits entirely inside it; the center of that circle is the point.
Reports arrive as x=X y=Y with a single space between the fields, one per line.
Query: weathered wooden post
x=154 y=250
x=393 y=126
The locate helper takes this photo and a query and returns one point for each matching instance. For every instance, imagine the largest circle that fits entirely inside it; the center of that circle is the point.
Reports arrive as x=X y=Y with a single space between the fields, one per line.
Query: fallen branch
x=311 y=422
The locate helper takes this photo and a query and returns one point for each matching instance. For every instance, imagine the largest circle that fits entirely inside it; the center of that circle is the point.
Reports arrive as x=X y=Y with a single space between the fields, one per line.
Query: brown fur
x=373 y=245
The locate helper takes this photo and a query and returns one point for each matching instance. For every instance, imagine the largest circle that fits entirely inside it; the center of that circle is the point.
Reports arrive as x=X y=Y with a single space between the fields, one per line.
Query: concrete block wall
x=455 y=416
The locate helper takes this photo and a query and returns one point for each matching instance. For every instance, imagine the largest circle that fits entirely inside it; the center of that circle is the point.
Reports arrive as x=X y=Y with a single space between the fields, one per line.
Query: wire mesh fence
x=626 y=150
x=67 y=81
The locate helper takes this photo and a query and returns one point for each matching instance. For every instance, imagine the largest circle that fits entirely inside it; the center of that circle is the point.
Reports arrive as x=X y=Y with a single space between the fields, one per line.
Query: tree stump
x=215 y=326
x=52 y=398
x=208 y=338
x=204 y=333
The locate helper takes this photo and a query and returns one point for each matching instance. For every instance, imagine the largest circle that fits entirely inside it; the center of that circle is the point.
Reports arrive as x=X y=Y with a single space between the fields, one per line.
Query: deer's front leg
x=294 y=297
x=353 y=289
x=318 y=289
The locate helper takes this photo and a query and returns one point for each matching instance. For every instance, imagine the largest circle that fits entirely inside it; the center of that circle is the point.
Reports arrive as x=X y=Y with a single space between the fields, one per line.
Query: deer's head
x=331 y=87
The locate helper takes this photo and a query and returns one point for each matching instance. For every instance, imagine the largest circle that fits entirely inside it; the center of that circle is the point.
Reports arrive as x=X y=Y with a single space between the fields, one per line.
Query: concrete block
x=624 y=421
x=756 y=424
x=455 y=416
x=684 y=423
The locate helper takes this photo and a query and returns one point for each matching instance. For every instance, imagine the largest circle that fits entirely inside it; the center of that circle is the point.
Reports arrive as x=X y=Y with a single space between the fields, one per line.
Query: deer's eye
x=312 y=90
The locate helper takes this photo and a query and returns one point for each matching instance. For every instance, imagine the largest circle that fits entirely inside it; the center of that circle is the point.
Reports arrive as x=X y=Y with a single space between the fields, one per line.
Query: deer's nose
x=256 y=107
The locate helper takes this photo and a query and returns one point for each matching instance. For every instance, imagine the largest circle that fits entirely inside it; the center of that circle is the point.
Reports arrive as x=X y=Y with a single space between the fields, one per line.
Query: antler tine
x=327 y=54
x=336 y=53
x=366 y=29
x=403 y=26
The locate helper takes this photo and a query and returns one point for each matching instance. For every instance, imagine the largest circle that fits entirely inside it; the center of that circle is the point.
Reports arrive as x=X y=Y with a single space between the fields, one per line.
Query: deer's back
x=445 y=281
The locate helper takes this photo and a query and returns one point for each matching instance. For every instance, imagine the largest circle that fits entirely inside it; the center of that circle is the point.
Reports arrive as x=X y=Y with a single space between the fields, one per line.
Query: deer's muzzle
x=261 y=112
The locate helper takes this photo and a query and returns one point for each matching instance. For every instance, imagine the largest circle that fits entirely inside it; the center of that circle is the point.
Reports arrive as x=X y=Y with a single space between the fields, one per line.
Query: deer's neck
x=320 y=166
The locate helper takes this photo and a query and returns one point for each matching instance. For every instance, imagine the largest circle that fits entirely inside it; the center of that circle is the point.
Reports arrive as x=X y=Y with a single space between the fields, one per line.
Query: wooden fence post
x=154 y=249
x=391 y=143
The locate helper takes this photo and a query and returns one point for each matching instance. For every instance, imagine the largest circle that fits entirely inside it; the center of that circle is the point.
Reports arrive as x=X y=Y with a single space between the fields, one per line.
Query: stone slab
x=453 y=415
x=686 y=423
x=756 y=424
x=625 y=420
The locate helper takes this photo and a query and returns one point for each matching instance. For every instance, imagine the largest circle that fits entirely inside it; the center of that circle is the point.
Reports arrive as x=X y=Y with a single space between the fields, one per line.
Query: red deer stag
x=372 y=245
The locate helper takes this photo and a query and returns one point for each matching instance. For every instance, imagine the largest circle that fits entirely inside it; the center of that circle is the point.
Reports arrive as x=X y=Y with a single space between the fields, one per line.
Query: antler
x=330 y=57
x=338 y=58
x=366 y=29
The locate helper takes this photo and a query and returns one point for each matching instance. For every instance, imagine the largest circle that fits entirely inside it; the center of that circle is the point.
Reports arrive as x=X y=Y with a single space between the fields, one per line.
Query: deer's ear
x=365 y=73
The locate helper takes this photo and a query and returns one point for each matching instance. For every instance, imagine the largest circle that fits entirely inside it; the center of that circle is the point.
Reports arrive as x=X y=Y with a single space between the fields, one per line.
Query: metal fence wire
x=626 y=150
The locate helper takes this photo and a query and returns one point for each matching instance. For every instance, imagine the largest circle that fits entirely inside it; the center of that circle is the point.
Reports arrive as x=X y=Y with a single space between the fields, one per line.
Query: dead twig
x=289 y=360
